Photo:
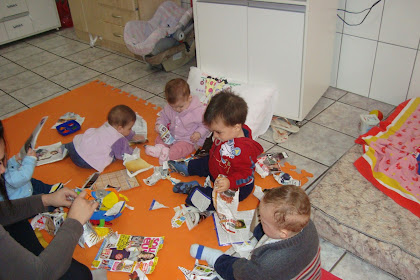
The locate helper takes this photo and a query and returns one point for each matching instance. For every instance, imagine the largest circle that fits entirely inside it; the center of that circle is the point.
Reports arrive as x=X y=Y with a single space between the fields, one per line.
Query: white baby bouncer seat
x=166 y=39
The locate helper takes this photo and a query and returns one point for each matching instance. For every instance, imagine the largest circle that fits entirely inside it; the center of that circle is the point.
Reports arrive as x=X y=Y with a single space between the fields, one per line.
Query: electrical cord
x=367 y=9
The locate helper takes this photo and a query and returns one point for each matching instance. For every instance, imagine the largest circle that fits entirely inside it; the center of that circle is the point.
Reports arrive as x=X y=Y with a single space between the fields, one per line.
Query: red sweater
x=236 y=159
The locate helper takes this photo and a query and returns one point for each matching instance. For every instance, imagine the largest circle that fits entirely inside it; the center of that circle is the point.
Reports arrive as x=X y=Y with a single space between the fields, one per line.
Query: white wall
x=380 y=58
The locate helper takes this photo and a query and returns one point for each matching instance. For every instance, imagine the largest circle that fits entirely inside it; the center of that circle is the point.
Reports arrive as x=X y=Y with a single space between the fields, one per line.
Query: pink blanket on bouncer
x=391 y=152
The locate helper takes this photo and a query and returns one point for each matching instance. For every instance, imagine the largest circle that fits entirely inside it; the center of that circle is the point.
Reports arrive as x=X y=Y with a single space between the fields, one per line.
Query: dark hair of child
x=292 y=207
x=175 y=89
x=121 y=115
x=228 y=107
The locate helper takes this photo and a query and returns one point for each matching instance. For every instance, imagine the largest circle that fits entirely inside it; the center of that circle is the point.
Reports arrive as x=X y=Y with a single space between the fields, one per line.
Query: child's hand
x=157 y=127
x=195 y=137
x=222 y=184
x=31 y=152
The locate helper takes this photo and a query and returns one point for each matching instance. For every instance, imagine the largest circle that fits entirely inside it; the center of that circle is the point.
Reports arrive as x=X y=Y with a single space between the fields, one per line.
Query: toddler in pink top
x=179 y=125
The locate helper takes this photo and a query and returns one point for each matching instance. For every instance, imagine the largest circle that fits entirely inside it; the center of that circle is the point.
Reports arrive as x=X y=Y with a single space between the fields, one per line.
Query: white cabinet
x=287 y=44
x=274 y=55
x=223 y=38
x=12 y=7
x=20 y=18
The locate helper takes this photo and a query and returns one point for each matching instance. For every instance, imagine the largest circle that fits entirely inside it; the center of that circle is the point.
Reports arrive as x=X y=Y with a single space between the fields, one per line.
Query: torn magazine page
x=241 y=225
x=140 y=128
x=51 y=153
x=135 y=164
x=31 y=141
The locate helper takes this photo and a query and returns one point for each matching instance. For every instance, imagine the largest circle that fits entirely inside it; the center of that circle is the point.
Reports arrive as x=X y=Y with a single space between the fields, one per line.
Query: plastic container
x=367 y=122
x=68 y=127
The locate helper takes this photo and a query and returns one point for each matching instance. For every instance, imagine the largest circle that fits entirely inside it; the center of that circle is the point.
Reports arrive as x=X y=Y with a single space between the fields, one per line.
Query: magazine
x=117 y=179
x=126 y=253
x=31 y=141
x=50 y=153
x=241 y=225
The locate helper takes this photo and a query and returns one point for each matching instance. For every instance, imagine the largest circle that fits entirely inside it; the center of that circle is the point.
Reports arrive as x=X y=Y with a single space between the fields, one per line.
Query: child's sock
x=164 y=155
x=205 y=253
x=154 y=151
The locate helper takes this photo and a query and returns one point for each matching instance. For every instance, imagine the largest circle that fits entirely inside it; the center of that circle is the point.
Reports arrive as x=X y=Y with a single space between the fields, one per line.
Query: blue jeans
x=200 y=167
x=39 y=187
x=75 y=156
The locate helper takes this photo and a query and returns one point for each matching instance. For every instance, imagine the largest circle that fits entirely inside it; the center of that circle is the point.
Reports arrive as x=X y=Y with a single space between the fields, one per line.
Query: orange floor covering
x=93 y=101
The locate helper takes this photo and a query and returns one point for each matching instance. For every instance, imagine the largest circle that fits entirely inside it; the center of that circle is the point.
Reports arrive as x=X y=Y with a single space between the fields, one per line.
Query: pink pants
x=178 y=150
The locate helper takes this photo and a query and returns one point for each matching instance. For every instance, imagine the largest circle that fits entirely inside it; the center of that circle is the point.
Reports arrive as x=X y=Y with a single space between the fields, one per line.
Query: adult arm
x=53 y=262
x=20 y=209
x=17 y=174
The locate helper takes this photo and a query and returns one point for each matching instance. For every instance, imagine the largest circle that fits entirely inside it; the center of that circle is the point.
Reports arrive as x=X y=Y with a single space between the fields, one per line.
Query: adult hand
x=82 y=209
x=62 y=197
x=222 y=184
x=195 y=137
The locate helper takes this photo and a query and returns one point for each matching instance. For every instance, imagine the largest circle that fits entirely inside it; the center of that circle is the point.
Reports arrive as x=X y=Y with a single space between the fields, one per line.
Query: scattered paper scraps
x=269 y=163
x=258 y=192
x=200 y=272
x=135 y=164
x=156 y=205
x=159 y=173
x=291 y=170
x=189 y=215
x=140 y=128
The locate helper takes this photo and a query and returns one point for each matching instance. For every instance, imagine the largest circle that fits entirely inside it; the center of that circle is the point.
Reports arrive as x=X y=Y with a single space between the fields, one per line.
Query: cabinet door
x=78 y=15
x=222 y=38
x=44 y=14
x=3 y=33
x=275 y=50
x=12 y=7
x=19 y=27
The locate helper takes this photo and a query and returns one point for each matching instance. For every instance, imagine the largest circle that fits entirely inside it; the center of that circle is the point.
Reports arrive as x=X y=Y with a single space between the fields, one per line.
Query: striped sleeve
x=313 y=270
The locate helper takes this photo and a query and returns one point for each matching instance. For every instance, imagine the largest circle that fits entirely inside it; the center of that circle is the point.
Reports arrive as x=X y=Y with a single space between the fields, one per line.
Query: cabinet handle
x=11 y=6
x=117 y=35
x=18 y=25
x=114 y=16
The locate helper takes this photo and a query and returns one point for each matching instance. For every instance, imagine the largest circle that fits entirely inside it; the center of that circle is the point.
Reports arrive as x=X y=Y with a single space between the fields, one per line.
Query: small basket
x=68 y=127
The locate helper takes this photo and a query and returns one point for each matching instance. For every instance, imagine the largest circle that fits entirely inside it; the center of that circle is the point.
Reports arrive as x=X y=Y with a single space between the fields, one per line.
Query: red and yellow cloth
x=389 y=162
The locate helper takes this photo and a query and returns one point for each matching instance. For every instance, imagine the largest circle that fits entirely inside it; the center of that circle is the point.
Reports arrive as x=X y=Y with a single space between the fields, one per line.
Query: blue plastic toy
x=68 y=127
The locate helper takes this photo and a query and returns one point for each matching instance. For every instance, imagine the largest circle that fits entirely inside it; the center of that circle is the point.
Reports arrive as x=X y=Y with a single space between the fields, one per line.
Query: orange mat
x=93 y=101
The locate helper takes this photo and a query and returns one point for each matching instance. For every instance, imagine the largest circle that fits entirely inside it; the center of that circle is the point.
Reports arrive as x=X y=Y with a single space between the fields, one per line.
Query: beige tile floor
x=42 y=67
